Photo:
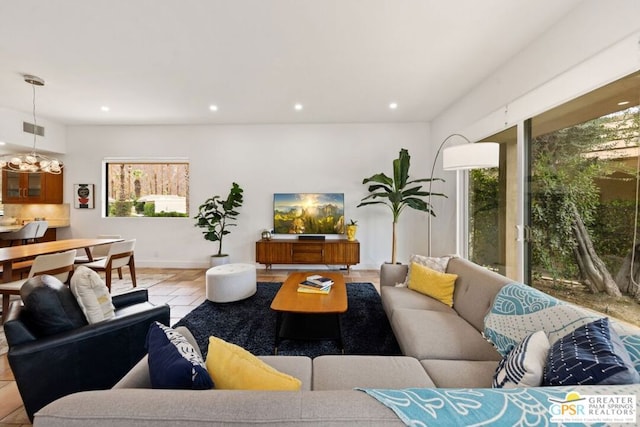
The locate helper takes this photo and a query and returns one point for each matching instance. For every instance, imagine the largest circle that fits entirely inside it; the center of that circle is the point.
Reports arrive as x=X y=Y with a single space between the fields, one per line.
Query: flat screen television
x=308 y=213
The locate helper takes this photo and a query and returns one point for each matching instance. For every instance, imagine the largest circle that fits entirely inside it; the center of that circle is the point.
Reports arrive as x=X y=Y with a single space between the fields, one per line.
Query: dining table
x=12 y=254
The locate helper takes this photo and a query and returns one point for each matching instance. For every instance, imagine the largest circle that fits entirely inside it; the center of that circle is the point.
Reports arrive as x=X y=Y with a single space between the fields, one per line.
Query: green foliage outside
x=120 y=208
x=563 y=176
x=171 y=214
x=613 y=231
x=149 y=208
x=484 y=220
x=146 y=209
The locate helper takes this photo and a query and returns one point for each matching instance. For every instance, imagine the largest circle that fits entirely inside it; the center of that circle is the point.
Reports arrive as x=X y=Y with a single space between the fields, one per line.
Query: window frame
x=137 y=160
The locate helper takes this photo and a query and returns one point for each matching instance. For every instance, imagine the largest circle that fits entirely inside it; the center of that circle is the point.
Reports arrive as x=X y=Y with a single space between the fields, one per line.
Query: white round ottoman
x=231 y=282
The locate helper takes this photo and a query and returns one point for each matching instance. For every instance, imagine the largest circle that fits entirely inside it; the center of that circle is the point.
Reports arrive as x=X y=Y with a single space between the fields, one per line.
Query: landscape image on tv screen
x=308 y=213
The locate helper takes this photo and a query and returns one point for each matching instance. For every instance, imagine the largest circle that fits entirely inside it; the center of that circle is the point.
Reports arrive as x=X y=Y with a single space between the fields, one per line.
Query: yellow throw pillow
x=234 y=368
x=432 y=283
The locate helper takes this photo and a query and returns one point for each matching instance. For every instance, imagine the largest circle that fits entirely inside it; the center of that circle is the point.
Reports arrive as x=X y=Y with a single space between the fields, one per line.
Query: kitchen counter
x=52 y=224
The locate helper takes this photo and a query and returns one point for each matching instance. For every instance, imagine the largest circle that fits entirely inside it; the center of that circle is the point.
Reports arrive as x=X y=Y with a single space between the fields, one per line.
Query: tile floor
x=183 y=292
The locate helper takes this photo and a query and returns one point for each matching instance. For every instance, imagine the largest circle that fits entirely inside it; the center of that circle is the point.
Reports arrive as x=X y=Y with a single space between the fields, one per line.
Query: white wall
x=11 y=133
x=263 y=159
x=597 y=43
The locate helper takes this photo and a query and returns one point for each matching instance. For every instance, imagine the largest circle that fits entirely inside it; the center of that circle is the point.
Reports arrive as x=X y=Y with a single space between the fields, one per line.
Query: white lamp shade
x=477 y=155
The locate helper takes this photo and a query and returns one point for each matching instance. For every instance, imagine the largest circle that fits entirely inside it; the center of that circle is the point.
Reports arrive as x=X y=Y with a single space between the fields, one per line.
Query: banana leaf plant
x=216 y=214
x=398 y=193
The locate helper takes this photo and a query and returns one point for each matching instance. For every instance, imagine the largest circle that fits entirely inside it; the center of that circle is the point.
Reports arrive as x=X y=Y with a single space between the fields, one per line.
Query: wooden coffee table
x=309 y=316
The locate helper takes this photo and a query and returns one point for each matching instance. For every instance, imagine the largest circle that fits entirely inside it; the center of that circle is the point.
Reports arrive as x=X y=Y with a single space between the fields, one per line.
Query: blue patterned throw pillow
x=173 y=362
x=524 y=365
x=591 y=354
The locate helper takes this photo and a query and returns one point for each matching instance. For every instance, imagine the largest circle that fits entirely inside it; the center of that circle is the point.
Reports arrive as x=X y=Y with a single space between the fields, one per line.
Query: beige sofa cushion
x=346 y=372
x=394 y=298
x=299 y=367
x=210 y=408
x=426 y=334
x=475 y=290
x=460 y=373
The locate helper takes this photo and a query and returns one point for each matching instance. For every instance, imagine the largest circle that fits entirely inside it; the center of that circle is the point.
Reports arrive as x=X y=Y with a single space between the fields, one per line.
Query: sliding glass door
x=567 y=223
x=583 y=200
x=492 y=210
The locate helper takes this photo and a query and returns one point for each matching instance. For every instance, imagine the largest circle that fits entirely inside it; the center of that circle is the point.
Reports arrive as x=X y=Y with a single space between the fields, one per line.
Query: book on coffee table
x=306 y=290
x=312 y=285
x=319 y=280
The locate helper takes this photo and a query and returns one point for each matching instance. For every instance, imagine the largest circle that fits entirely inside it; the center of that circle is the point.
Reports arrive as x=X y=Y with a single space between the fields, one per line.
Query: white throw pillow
x=438 y=264
x=92 y=295
x=524 y=365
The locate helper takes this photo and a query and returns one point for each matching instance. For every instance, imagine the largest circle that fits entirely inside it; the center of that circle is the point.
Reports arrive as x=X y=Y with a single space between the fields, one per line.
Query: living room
x=523 y=69
x=269 y=157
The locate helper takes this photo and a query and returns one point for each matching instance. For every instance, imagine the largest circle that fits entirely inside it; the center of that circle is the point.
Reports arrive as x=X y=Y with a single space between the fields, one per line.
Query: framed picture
x=83 y=196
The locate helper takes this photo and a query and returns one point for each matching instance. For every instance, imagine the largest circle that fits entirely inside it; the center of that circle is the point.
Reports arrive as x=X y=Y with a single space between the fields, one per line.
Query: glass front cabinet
x=20 y=187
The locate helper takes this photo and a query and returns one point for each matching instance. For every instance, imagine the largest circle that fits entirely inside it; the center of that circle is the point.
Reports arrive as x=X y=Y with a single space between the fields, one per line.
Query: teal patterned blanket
x=487 y=407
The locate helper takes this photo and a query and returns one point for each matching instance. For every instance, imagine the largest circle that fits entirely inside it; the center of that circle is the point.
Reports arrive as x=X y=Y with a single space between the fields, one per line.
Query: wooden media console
x=289 y=251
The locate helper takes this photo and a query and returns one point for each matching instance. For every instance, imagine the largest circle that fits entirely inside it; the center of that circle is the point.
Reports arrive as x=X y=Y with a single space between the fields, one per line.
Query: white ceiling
x=166 y=61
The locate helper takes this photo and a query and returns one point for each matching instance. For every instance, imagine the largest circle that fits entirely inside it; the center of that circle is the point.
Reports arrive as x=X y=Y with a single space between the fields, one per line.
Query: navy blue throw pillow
x=173 y=362
x=592 y=354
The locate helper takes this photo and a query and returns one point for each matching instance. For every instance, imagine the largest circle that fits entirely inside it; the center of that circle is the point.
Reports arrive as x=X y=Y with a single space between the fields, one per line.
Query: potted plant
x=215 y=215
x=351 y=229
x=398 y=193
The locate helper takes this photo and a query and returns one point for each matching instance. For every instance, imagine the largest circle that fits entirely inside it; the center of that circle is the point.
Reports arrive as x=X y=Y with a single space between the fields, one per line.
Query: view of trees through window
x=583 y=202
x=583 y=212
x=147 y=189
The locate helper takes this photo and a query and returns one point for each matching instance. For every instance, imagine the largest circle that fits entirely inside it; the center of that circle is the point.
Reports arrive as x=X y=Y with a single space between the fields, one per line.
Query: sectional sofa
x=447 y=368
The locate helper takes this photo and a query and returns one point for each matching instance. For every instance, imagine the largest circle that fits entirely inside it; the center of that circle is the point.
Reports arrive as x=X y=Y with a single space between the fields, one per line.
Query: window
x=492 y=212
x=146 y=188
x=568 y=223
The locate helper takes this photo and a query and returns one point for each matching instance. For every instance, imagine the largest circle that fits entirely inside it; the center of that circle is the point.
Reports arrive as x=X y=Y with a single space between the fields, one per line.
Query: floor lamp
x=467 y=156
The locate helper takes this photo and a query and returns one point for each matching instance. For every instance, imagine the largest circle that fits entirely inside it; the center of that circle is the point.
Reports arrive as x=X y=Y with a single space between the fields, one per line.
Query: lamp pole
x=433 y=167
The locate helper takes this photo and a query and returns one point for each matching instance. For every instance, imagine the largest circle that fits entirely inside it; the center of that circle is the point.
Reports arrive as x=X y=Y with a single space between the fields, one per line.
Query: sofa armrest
x=137 y=377
x=129 y=298
x=390 y=274
x=16 y=331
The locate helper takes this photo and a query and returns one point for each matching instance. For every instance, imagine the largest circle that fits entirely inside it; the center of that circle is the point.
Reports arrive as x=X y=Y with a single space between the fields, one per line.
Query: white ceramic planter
x=219 y=260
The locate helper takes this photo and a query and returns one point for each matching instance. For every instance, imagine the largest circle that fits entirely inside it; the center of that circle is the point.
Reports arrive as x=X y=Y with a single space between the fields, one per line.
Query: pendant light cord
x=35 y=124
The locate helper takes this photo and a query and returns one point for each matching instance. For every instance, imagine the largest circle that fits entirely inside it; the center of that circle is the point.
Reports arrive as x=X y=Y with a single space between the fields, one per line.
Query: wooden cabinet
x=19 y=187
x=285 y=251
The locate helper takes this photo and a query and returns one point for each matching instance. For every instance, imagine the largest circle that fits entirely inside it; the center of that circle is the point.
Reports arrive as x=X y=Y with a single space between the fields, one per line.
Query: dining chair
x=98 y=252
x=43 y=226
x=25 y=234
x=59 y=265
x=120 y=255
x=23 y=266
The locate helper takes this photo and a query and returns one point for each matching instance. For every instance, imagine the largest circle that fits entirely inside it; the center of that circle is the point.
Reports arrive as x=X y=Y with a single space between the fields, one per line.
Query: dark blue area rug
x=251 y=324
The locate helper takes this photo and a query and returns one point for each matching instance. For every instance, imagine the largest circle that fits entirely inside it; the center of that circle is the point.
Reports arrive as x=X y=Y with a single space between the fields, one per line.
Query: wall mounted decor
x=83 y=196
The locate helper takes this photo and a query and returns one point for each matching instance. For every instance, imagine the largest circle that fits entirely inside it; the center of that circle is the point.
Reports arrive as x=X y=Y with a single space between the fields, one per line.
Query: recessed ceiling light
x=213 y=107
x=298 y=107
x=104 y=108
x=393 y=105
x=621 y=103
x=3 y=143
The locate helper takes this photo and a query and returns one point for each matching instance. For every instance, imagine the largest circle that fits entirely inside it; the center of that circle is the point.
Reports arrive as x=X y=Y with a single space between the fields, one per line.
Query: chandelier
x=32 y=162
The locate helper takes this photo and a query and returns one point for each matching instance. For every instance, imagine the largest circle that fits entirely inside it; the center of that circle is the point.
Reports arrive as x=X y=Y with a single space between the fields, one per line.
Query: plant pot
x=219 y=260
x=351 y=232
